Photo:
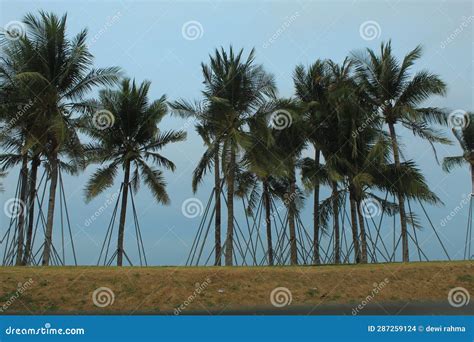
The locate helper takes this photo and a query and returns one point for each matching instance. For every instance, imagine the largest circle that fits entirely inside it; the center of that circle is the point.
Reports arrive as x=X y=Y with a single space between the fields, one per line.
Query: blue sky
x=145 y=38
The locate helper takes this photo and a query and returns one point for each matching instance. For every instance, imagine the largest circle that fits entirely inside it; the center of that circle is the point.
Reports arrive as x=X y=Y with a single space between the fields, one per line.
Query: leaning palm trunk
x=266 y=199
x=401 y=197
x=291 y=219
x=53 y=162
x=316 y=256
x=355 y=233
x=363 y=237
x=21 y=209
x=217 y=186
x=31 y=208
x=123 y=213
x=229 y=243
x=335 y=210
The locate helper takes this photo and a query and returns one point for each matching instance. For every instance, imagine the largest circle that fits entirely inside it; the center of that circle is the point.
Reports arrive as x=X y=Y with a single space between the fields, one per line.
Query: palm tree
x=234 y=88
x=18 y=134
x=58 y=72
x=465 y=136
x=312 y=88
x=132 y=141
x=263 y=163
x=337 y=78
x=396 y=95
x=210 y=159
x=290 y=141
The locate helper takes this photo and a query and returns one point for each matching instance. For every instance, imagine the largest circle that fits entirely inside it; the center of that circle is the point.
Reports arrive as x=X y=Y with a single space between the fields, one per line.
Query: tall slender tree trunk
x=401 y=197
x=316 y=256
x=335 y=210
x=22 y=209
x=217 y=187
x=291 y=219
x=35 y=162
x=229 y=243
x=355 y=230
x=363 y=236
x=53 y=161
x=123 y=214
x=268 y=221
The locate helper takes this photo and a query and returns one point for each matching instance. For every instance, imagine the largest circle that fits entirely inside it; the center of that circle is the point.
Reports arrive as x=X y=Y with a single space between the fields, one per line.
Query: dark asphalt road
x=412 y=308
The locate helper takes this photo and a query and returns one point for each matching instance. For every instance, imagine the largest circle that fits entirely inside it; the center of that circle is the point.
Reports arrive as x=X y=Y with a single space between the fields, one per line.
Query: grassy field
x=136 y=289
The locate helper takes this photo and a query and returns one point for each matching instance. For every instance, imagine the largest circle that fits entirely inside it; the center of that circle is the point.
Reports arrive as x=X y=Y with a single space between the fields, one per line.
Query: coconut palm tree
x=130 y=139
x=396 y=95
x=210 y=159
x=465 y=136
x=263 y=163
x=290 y=141
x=312 y=88
x=58 y=72
x=234 y=88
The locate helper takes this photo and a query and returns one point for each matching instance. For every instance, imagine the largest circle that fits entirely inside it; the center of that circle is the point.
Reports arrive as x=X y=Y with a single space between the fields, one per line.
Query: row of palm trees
x=340 y=110
x=255 y=141
x=45 y=77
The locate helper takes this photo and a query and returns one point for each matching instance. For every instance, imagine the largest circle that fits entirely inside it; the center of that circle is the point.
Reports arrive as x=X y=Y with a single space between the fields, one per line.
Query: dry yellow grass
x=69 y=289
